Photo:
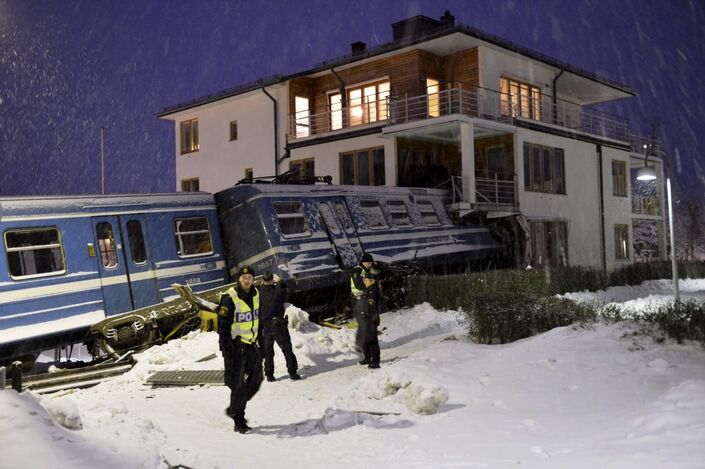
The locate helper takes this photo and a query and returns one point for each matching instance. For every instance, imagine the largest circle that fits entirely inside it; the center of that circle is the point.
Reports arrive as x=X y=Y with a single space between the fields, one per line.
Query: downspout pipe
x=603 y=253
x=554 y=98
x=276 y=131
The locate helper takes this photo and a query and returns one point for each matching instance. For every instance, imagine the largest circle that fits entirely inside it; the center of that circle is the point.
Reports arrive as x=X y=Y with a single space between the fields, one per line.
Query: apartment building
x=512 y=134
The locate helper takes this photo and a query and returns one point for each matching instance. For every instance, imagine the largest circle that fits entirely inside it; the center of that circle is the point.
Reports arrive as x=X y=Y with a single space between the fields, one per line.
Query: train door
x=341 y=232
x=110 y=254
x=138 y=260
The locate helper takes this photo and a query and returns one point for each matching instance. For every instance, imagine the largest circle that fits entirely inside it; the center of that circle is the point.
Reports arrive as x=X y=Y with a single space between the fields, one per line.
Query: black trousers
x=243 y=375
x=366 y=337
x=278 y=331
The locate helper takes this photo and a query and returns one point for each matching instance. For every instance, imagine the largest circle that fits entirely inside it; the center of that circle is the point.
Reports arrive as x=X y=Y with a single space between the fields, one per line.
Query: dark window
x=621 y=242
x=428 y=213
x=373 y=213
x=619 y=178
x=399 y=212
x=190 y=185
x=249 y=174
x=363 y=167
x=136 y=240
x=291 y=218
x=189 y=136
x=233 y=130
x=549 y=243
x=306 y=168
x=543 y=169
x=192 y=237
x=106 y=244
x=34 y=252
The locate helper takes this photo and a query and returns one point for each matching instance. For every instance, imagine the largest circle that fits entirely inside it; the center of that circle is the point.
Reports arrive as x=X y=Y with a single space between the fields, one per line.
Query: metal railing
x=471 y=101
x=494 y=191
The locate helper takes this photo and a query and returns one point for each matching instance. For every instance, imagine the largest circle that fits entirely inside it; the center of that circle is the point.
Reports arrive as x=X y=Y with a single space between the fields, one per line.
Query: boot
x=270 y=378
x=373 y=365
x=364 y=361
x=241 y=424
x=294 y=376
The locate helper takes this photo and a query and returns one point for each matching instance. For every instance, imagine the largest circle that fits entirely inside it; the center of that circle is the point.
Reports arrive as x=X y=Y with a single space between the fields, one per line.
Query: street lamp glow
x=647 y=173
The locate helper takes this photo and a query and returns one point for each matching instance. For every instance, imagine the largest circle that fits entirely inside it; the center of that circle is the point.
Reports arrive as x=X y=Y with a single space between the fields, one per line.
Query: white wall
x=618 y=210
x=220 y=163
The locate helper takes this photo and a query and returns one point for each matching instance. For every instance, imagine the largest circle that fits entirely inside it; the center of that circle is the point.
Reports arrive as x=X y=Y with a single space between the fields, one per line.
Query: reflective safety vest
x=353 y=289
x=246 y=320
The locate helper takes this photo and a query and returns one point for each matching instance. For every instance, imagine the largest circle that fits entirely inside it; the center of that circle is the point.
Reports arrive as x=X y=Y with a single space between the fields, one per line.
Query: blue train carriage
x=313 y=235
x=70 y=262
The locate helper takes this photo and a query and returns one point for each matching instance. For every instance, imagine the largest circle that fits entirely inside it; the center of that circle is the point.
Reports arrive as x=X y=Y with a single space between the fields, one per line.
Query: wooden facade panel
x=466 y=68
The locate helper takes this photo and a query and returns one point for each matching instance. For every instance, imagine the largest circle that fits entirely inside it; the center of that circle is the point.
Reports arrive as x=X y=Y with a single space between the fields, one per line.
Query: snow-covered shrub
x=681 y=321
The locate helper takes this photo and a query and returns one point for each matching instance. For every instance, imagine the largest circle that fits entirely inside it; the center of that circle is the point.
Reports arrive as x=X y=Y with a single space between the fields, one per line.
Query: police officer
x=275 y=326
x=366 y=306
x=238 y=325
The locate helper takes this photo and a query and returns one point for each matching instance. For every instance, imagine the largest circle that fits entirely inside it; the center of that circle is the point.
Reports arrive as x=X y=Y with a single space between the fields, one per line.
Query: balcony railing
x=493 y=191
x=474 y=102
x=645 y=205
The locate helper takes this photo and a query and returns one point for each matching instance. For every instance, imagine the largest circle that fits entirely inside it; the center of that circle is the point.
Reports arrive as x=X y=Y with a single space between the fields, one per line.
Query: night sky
x=69 y=67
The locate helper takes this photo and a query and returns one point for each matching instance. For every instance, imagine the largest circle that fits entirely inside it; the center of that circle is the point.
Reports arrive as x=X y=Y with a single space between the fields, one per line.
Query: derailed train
x=99 y=269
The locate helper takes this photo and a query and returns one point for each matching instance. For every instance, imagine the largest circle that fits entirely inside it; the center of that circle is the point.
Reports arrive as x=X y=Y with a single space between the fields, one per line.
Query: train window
x=34 y=252
x=106 y=244
x=136 y=239
x=192 y=236
x=291 y=218
x=428 y=213
x=373 y=213
x=398 y=211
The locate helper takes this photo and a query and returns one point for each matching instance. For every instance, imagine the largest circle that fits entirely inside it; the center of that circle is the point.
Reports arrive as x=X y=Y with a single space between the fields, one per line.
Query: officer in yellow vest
x=238 y=325
x=366 y=294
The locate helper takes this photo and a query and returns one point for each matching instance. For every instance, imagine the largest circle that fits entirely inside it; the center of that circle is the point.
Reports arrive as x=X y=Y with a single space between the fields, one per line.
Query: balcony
x=473 y=102
x=490 y=193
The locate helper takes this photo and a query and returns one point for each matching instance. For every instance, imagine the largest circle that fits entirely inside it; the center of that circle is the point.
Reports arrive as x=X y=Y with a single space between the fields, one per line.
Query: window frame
x=553 y=227
x=427 y=203
x=187 y=185
x=526 y=102
x=302 y=117
x=374 y=177
x=299 y=213
x=142 y=241
x=390 y=203
x=535 y=179
x=189 y=139
x=179 y=241
x=433 y=97
x=371 y=110
x=303 y=162
x=621 y=254
x=9 y=250
x=377 y=205
x=233 y=131
x=619 y=181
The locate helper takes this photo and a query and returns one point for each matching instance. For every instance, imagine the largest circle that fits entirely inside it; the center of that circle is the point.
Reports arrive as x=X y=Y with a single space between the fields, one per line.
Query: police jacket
x=357 y=286
x=238 y=317
x=272 y=299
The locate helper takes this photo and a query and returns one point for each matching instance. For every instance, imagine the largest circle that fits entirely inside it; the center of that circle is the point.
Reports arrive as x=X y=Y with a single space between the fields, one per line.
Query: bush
x=499 y=318
x=681 y=321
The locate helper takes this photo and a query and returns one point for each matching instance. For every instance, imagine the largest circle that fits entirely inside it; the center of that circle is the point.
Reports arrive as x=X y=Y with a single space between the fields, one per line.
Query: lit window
x=302 y=116
x=432 y=91
x=336 y=111
x=521 y=99
x=106 y=245
x=34 y=252
x=192 y=236
x=189 y=136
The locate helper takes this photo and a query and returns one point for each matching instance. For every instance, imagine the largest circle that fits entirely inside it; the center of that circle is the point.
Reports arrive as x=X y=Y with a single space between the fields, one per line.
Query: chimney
x=447 y=20
x=358 y=48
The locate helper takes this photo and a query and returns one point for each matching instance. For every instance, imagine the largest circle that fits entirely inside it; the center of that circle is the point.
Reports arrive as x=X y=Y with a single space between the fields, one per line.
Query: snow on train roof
x=39 y=205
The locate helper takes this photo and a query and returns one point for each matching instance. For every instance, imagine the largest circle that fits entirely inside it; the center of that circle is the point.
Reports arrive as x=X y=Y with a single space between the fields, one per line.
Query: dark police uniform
x=366 y=307
x=238 y=324
x=275 y=327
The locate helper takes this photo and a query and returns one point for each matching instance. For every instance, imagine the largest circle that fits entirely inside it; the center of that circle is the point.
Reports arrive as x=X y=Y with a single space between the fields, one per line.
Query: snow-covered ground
x=605 y=396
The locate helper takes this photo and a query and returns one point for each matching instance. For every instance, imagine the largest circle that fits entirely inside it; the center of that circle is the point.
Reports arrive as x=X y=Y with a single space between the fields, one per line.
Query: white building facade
x=510 y=132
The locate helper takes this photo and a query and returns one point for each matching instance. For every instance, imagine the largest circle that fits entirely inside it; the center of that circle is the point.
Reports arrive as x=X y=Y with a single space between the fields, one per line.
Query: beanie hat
x=367 y=258
x=244 y=270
